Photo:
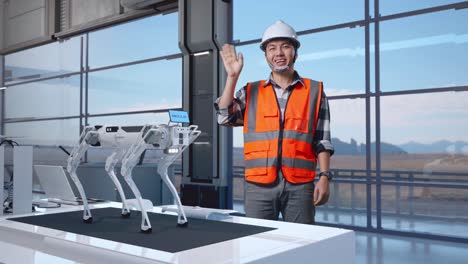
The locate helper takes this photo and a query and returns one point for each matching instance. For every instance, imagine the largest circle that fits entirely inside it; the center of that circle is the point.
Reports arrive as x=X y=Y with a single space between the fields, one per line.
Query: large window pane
x=44 y=61
x=388 y=7
x=425 y=130
x=430 y=159
x=147 y=86
x=52 y=132
x=50 y=98
x=347 y=204
x=415 y=55
x=434 y=210
x=348 y=130
x=334 y=57
x=136 y=40
x=251 y=18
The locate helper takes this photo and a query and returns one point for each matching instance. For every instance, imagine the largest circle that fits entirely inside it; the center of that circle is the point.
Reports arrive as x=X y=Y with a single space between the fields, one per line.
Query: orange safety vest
x=270 y=144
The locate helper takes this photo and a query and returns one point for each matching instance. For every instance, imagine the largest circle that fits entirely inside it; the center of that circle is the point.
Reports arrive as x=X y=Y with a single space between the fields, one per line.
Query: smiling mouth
x=280 y=62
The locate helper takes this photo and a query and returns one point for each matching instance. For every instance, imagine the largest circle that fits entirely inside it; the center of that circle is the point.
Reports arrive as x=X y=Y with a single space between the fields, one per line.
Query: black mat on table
x=166 y=235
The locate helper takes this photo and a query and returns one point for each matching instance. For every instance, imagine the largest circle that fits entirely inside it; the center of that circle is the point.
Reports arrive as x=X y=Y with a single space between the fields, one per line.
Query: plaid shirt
x=233 y=115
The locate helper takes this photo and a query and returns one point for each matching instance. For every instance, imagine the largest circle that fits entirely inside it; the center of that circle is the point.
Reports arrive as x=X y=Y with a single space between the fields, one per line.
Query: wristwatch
x=327 y=174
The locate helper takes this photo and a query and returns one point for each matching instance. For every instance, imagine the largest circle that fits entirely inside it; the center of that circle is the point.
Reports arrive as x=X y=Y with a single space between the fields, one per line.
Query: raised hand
x=233 y=62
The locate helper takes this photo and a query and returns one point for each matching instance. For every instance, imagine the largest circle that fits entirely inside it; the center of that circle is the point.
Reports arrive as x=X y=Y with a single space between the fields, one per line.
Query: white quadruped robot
x=129 y=143
x=173 y=140
x=115 y=137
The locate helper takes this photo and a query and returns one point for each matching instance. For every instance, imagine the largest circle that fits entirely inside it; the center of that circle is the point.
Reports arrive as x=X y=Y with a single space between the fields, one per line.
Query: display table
x=248 y=240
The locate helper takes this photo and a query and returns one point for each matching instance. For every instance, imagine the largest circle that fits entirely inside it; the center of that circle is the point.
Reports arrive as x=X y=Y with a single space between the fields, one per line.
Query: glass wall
x=140 y=87
x=49 y=132
x=49 y=97
x=45 y=61
x=142 y=39
x=426 y=175
x=412 y=109
x=304 y=14
x=322 y=56
x=44 y=99
x=421 y=56
x=48 y=138
x=335 y=57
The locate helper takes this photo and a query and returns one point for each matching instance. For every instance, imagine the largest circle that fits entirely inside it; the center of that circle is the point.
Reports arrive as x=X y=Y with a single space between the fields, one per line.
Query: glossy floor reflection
x=386 y=249
x=372 y=248
x=436 y=225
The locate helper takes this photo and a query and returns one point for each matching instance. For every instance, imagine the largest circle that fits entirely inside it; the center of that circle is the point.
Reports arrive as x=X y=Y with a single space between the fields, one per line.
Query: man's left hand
x=322 y=191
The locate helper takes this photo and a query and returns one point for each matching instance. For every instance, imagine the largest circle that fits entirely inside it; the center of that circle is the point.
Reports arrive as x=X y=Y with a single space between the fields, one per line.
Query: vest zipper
x=280 y=137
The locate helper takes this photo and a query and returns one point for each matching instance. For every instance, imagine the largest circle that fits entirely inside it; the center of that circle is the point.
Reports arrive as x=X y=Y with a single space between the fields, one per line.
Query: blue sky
x=425 y=51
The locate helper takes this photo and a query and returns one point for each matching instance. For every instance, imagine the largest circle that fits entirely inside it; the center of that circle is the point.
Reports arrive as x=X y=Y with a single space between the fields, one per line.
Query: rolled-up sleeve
x=233 y=115
x=322 y=137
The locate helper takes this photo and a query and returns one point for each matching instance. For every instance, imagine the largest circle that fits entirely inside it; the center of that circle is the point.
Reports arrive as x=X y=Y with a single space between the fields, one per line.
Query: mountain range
x=353 y=148
x=441 y=146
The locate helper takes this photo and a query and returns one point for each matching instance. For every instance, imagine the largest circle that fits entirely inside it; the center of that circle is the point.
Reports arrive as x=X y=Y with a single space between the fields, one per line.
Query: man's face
x=279 y=53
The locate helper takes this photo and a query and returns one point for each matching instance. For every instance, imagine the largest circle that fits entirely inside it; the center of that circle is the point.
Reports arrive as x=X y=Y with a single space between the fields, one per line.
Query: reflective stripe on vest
x=262 y=126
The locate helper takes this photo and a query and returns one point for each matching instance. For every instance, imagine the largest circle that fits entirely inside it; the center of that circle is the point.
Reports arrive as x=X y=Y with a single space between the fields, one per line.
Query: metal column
x=378 y=187
x=204 y=26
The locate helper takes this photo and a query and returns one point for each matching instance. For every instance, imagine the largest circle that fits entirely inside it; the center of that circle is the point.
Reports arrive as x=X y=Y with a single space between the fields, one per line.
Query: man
x=286 y=131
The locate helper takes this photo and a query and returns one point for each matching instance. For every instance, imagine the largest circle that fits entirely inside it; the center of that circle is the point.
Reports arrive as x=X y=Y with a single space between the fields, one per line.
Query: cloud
x=425 y=117
x=347 y=52
x=386 y=46
x=420 y=109
x=335 y=92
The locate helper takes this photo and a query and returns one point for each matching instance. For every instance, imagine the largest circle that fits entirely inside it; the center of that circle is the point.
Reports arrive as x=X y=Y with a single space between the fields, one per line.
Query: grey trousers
x=295 y=202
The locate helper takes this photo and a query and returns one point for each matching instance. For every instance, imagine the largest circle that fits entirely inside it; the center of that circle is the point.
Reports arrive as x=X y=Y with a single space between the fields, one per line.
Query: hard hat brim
x=295 y=42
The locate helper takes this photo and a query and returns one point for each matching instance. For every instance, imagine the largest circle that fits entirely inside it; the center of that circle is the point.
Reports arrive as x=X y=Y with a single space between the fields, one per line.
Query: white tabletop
x=288 y=243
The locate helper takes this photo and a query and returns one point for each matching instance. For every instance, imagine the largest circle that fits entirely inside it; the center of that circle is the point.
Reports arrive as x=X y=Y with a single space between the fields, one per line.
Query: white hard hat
x=279 y=30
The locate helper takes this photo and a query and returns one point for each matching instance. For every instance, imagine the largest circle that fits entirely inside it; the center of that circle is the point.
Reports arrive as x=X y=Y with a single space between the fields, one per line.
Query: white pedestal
x=22 y=179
